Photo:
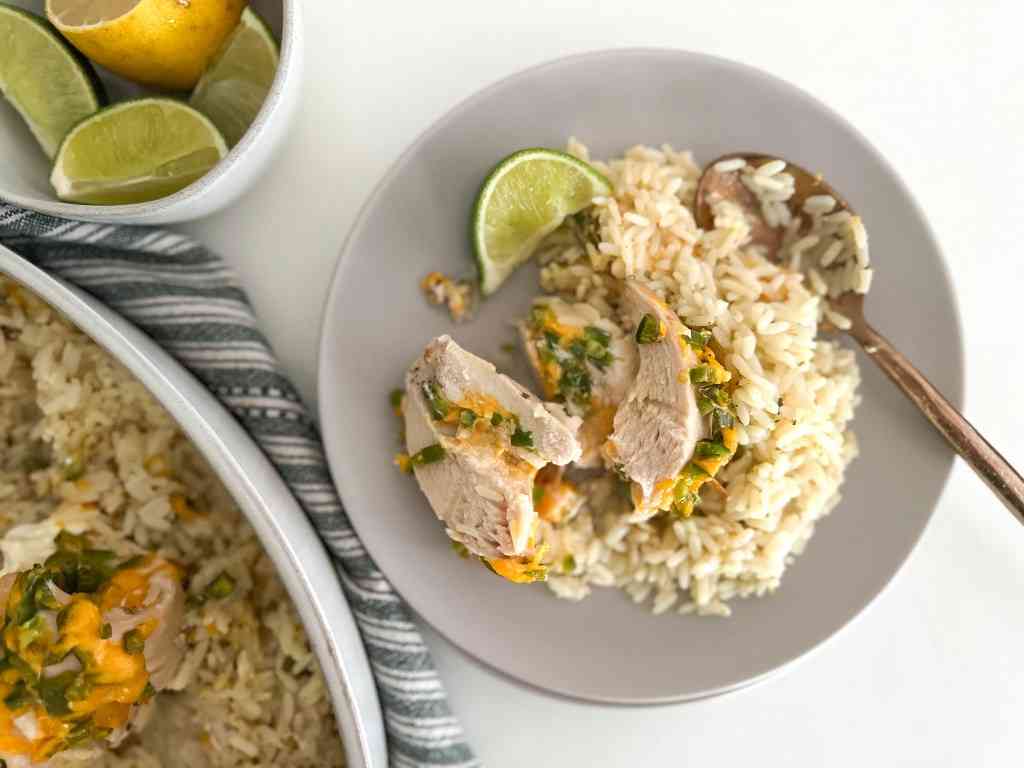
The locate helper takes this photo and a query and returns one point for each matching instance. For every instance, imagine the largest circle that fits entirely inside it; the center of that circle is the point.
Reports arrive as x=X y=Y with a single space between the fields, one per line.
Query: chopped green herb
x=698 y=339
x=79 y=689
x=508 y=348
x=30 y=631
x=436 y=402
x=704 y=405
x=538 y=494
x=522 y=438
x=539 y=316
x=429 y=455
x=53 y=693
x=717 y=395
x=395 y=398
x=44 y=597
x=595 y=334
x=95 y=566
x=23 y=667
x=19 y=697
x=132 y=562
x=575 y=383
x=460 y=549
x=578 y=349
x=220 y=587
x=648 y=330
x=568 y=564
x=496 y=419
x=72 y=468
x=701 y=374
x=67 y=541
x=195 y=601
x=467 y=417
x=148 y=692
x=710 y=449
x=721 y=420
x=133 y=642
x=694 y=472
x=106 y=631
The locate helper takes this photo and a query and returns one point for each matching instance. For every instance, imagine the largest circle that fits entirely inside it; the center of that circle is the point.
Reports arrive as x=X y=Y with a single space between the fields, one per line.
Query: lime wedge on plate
x=49 y=83
x=235 y=85
x=136 y=151
x=526 y=197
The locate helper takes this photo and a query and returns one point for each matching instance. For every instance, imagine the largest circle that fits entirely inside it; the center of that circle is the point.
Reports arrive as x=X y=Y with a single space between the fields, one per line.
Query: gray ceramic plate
x=605 y=648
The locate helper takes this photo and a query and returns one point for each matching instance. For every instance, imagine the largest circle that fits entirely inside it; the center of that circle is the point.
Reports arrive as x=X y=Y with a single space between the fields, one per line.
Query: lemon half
x=161 y=43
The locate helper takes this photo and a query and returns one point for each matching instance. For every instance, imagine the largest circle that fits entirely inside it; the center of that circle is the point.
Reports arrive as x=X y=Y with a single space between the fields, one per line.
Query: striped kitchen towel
x=132 y=269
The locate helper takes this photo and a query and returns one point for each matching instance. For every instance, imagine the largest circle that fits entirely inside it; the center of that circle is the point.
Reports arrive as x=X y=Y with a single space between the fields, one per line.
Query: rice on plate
x=794 y=395
x=711 y=418
x=94 y=472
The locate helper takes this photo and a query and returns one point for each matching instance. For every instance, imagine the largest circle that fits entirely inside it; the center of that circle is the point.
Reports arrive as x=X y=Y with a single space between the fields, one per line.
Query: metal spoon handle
x=965 y=439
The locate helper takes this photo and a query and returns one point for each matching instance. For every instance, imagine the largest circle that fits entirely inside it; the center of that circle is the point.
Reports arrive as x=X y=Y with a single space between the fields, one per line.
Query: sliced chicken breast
x=476 y=440
x=582 y=360
x=657 y=426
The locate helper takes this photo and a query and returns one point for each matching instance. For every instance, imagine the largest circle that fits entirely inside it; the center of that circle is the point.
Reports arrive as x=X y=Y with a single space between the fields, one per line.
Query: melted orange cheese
x=51 y=733
x=520 y=570
x=112 y=665
x=128 y=587
x=482 y=405
x=182 y=509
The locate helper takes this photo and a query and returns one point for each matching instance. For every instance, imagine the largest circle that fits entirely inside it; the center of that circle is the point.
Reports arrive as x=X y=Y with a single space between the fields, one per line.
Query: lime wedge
x=526 y=197
x=49 y=83
x=134 y=152
x=235 y=85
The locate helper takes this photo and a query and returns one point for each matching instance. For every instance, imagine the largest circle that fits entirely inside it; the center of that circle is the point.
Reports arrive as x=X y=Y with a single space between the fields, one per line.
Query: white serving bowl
x=280 y=523
x=25 y=169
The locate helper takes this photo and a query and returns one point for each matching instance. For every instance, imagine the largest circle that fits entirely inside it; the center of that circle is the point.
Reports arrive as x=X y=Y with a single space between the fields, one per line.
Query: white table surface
x=933 y=674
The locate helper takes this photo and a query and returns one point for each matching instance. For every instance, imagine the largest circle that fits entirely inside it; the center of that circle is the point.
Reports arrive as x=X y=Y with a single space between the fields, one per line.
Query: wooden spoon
x=715 y=185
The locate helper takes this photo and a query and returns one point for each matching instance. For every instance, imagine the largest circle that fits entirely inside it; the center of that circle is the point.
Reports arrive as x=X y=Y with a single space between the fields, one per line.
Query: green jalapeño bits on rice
x=247 y=688
x=775 y=399
x=221 y=587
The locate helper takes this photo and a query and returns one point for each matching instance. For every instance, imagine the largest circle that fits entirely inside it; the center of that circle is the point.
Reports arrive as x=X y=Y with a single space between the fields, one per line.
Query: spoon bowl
x=722 y=181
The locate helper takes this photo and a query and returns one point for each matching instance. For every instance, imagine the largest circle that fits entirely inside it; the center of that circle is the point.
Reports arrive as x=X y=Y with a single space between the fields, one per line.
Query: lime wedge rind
x=505 y=232
x=80 y=76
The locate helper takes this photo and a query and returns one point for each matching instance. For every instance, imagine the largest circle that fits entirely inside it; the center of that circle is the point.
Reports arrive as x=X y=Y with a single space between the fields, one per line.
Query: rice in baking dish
x=81 y=439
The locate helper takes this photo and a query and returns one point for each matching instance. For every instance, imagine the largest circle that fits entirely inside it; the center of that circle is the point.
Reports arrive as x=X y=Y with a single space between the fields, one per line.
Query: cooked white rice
x=250 y=692
x=795 y=396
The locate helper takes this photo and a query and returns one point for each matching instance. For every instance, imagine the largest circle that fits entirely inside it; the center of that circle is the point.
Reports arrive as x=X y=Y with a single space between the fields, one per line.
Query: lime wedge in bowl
x=48 y=82
x=134 y=152
x=235 y=85
x=526 y=197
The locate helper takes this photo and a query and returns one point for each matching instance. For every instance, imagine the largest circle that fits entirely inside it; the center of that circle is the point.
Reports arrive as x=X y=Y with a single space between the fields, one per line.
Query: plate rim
x=955 y=394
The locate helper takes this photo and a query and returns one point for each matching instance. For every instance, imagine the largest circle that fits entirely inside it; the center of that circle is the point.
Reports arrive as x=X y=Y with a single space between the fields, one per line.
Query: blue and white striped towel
x=142 y=273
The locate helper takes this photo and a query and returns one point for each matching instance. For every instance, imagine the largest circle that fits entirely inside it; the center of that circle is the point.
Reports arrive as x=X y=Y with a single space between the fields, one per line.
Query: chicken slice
x=658 y=424
x=582 y=360
x=476 y=441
